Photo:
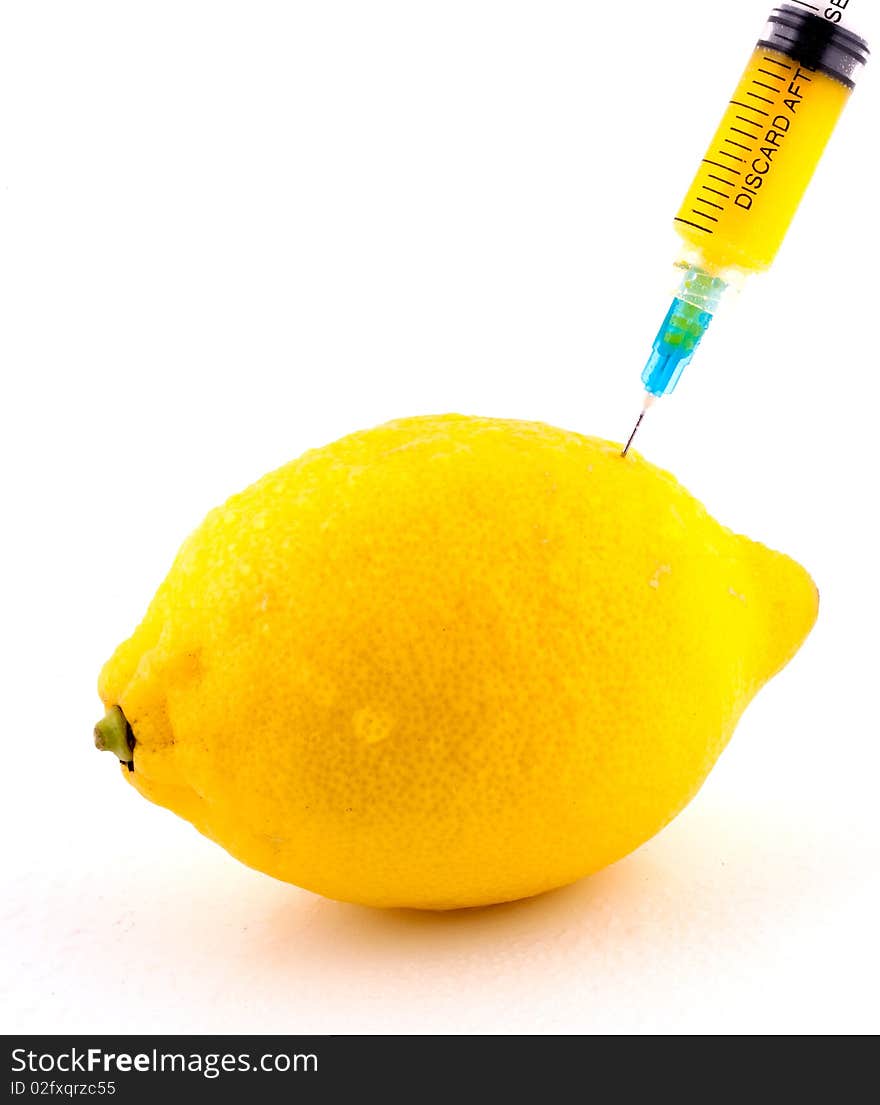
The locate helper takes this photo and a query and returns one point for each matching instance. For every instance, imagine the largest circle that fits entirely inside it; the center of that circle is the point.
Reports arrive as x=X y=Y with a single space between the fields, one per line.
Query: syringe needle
x=649 y=402
x=633 y=434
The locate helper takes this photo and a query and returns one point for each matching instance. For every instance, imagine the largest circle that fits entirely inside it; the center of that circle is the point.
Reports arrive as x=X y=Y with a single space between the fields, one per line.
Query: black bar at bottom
x=121 y=1069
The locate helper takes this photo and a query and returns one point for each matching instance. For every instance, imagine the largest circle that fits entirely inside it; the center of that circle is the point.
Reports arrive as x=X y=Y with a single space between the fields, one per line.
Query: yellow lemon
x=448 y=661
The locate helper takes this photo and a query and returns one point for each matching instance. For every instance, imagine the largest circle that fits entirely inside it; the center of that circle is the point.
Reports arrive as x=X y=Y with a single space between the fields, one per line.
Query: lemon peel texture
x=448 y=661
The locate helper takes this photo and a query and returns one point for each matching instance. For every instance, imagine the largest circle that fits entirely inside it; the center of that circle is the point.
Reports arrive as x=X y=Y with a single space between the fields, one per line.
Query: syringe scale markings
x=726 y=168
x=707 y=229
x=750 y=107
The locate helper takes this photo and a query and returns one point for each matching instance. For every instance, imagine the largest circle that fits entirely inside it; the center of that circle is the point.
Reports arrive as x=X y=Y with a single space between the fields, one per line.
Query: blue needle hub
x=687 y=320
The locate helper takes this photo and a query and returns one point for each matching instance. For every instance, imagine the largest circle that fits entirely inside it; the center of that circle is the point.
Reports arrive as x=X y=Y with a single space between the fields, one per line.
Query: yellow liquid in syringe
x=760 y=162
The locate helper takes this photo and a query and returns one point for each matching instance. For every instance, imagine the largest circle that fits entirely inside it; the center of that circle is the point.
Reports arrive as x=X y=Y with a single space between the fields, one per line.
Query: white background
x=231 y=232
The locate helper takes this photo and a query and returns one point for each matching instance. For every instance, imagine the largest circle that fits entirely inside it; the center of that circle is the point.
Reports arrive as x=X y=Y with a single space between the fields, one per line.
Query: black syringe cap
x=816 y=43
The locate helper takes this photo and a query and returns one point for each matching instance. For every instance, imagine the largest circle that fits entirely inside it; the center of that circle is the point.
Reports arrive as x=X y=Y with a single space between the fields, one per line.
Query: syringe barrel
x=773 y=133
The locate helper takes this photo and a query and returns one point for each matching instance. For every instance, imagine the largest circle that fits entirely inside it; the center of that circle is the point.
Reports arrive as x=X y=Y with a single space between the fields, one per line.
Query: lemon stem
x=113 y=734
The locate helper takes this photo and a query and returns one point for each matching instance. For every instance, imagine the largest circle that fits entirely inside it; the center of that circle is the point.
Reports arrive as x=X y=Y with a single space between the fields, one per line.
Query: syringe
x=755 y=172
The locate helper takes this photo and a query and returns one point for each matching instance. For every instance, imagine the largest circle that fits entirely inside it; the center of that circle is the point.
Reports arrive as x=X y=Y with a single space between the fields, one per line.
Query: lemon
x=447 y=662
